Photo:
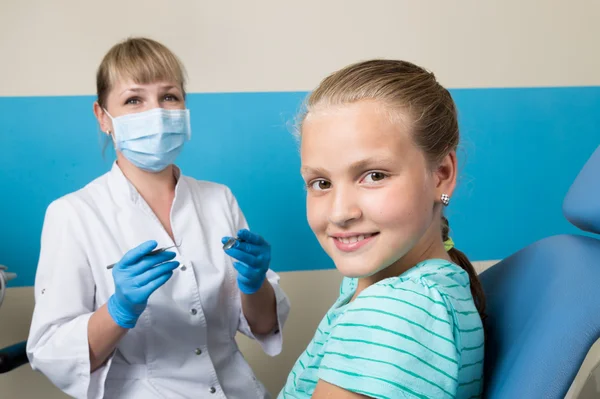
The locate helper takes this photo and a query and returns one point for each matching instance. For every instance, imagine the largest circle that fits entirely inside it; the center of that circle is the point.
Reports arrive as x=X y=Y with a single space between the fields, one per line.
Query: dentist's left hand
x=254 y=256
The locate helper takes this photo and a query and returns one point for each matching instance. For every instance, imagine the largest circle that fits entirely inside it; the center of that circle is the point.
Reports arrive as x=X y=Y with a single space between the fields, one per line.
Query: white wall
x=54 y=47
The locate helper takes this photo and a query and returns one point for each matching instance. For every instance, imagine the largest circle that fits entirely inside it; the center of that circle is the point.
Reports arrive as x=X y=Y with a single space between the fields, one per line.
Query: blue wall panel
x=521 y=150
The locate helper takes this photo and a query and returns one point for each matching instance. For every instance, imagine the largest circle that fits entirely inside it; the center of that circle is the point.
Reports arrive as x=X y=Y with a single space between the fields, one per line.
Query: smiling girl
x=378 y=155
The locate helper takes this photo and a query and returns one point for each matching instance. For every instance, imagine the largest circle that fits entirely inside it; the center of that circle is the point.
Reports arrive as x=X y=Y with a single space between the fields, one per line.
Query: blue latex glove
x=254 y=256
x=136 y=277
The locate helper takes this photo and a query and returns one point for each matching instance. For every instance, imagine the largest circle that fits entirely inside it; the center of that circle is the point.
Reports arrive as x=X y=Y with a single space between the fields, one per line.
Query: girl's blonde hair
x=405 y=89
x=142 y=60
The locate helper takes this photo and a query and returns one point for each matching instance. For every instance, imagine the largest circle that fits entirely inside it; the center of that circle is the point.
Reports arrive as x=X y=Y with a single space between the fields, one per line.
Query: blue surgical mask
x=152 y=140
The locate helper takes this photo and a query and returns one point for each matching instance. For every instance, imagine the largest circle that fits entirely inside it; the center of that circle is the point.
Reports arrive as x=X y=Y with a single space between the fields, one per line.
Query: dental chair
x=543 y=303
x=13 y=356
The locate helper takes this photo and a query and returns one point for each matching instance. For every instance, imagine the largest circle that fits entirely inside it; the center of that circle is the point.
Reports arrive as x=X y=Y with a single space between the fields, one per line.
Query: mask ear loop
x=109 y=132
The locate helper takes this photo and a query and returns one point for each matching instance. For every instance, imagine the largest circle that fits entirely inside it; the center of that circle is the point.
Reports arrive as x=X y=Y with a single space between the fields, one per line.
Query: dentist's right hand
x=136 y=277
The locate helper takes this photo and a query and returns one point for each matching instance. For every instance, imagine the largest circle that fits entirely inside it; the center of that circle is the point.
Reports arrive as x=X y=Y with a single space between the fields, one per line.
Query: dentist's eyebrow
x=133 y=90
x=169 y=87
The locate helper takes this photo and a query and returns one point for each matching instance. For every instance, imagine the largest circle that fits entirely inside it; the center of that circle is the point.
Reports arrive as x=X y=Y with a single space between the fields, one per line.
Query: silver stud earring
x=445 y=199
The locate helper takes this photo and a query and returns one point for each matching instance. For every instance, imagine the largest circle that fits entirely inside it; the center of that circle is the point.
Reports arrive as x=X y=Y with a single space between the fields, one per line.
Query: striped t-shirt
x=414 y=336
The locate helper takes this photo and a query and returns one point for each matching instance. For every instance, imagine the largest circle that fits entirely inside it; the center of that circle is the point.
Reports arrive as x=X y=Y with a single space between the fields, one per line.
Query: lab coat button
x=183 y=268
x=193 y=312
x=198 y=351
x=213 y=390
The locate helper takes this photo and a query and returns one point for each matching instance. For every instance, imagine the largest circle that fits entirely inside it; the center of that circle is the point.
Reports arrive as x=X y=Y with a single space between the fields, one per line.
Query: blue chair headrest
x=581 y=206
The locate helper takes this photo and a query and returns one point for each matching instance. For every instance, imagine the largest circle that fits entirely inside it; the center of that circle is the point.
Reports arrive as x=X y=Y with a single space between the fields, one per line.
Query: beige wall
x=311 y=294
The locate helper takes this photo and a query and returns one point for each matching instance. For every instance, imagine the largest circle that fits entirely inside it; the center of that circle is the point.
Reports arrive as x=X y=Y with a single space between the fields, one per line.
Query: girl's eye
x=320 y=185
x=133 y=101
x=374 y=177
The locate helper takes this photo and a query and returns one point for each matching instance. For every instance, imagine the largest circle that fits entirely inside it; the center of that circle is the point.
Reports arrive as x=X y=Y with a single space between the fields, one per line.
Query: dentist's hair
x=406 y=90
x=140 y=59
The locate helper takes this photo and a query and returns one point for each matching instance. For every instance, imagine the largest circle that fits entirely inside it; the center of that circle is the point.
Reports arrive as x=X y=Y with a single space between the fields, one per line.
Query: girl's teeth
x=353 y=239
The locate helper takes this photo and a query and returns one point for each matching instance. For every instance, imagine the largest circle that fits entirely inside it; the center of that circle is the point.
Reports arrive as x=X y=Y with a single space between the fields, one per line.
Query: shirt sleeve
x=57 y=345
x=393 y=341
x=271 y=343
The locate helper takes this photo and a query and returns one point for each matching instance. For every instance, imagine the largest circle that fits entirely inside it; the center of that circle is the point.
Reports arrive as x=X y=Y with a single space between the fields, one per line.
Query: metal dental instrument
x=230 y=243
x=154 y=252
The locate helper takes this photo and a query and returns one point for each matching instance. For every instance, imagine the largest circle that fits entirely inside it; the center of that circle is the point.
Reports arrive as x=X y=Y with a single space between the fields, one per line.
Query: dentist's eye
x=374 y=177
x=319 y=185
x=171 y=97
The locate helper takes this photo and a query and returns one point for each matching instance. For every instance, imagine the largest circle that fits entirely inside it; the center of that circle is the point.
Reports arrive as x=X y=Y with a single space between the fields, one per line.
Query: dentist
x=156 y=325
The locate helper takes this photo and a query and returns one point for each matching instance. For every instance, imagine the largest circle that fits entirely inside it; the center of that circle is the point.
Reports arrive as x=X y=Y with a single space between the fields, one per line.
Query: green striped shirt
x=414 y=336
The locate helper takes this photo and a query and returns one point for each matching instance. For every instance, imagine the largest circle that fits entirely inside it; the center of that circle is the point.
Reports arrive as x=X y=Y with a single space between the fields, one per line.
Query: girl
x=378 y=155
x=152 y=326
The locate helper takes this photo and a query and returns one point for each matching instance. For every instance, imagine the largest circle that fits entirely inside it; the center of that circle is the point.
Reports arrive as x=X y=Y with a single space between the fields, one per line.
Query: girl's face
x=372 y=198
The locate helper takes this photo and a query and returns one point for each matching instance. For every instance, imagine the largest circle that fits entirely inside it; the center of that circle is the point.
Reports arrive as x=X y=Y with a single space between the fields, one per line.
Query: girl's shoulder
x=432 y=275
x=435 y=288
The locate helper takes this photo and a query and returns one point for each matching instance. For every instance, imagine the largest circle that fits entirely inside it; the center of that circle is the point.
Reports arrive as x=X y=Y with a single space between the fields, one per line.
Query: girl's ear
x=445 y=176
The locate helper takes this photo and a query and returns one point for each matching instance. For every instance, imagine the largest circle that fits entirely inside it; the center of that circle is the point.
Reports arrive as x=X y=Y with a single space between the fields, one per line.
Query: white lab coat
x=183 y=344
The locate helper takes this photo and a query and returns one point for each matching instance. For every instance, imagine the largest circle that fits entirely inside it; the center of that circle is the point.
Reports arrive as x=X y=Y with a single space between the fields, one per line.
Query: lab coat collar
x=123 y=186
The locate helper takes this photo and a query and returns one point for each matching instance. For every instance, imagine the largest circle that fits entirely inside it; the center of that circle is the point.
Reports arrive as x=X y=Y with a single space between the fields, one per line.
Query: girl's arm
x=325 y=390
